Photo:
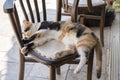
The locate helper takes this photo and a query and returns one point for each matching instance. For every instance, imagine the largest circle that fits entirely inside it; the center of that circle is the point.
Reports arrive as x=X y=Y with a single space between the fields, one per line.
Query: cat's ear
x=26 y=23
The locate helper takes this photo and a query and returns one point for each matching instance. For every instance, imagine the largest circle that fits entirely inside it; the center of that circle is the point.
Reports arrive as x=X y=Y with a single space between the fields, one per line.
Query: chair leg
x=58 y=71
x=52 y=73
x=21 y=67
x=90 y=66
x=102 y=24
x=59 y=5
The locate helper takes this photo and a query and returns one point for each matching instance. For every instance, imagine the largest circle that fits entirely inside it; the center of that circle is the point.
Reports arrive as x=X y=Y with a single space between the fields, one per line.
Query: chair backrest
x=65 y=4
x=83 y=5
x=37 y=11
x=26 y=7
x=73 y=8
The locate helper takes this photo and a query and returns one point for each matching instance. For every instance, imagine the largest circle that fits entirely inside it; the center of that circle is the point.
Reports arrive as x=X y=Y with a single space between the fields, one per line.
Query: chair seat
x=47 y=61
x=47 y=53
x=83 y=3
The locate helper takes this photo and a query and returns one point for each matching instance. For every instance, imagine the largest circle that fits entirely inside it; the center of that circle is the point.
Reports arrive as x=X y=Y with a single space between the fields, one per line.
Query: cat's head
x=29 y=29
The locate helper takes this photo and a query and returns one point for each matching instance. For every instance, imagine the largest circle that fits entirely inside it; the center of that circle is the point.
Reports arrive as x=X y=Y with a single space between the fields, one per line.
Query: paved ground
x=115 y=52
x=9 y=58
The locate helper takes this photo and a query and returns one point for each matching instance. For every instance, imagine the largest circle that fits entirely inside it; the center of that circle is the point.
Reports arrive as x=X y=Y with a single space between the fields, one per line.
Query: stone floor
x=9 y=58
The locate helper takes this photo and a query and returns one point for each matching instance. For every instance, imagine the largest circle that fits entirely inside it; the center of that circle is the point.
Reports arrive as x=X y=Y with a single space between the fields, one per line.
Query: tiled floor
x=9 y=58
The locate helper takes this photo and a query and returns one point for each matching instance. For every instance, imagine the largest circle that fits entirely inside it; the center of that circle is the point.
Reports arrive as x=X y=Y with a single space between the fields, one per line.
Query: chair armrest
x=8 y=6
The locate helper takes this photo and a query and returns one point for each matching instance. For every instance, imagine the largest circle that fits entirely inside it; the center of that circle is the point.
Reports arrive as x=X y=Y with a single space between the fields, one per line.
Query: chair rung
x=90 y=16
x=66 y=14
x=29 y=59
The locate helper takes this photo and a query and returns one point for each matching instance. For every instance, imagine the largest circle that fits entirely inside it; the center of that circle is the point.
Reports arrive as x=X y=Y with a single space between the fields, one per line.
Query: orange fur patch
x=86 y=40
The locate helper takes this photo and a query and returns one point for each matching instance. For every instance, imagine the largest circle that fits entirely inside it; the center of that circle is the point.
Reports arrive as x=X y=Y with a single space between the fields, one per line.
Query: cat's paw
x=25 y=41
x=59 y=54
x=76 y=71
x=24 y=50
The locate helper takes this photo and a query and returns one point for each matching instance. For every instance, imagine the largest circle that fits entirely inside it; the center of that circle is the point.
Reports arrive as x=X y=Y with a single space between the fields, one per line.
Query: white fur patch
x=83 y=59
x=50 y=49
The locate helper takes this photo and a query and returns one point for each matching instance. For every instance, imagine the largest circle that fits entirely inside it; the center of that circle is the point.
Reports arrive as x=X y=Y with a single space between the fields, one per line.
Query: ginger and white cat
x=75 y=36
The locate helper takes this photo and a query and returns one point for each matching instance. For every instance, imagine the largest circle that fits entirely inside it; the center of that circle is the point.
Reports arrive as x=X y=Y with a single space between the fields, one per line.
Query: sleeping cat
x=75 y=36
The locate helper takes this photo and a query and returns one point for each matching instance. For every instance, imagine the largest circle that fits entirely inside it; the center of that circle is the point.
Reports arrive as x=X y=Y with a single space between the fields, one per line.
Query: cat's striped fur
x=75 y=36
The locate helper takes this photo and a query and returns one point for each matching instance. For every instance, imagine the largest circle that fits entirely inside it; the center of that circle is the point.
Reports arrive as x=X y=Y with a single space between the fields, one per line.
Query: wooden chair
x=83 y=10
x=54 y=64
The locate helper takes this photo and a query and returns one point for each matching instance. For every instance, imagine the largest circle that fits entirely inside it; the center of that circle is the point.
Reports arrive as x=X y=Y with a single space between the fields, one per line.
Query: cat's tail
x=98 y=49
